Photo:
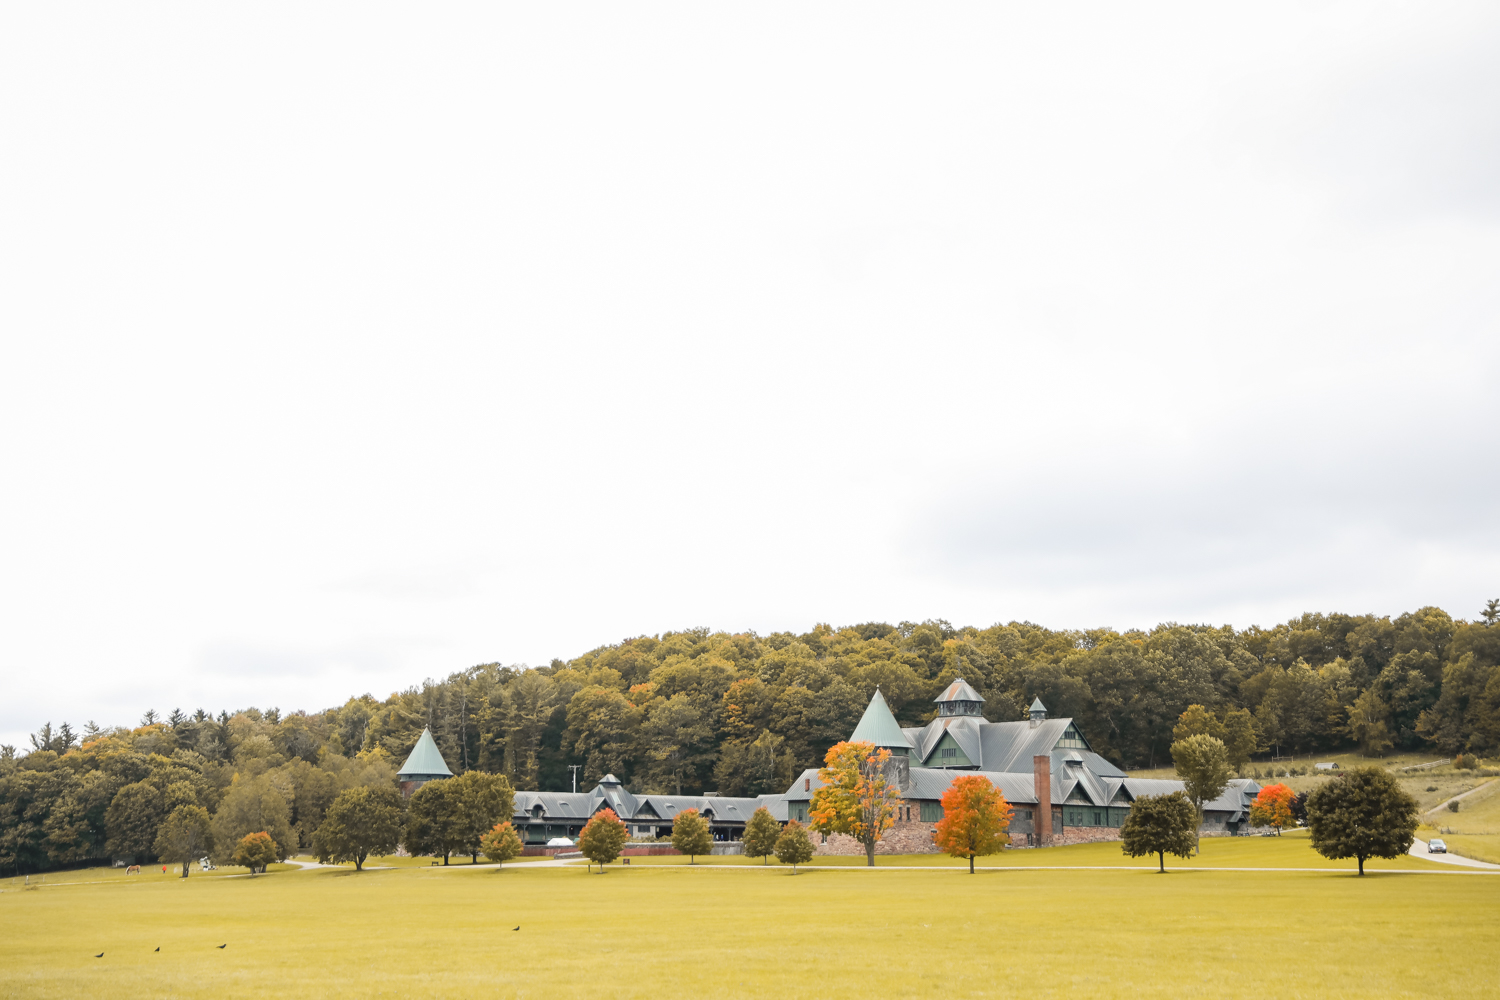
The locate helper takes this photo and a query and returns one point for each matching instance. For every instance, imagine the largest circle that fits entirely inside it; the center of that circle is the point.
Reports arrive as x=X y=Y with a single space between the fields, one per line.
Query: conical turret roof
x=879 y=726
x=425 y=760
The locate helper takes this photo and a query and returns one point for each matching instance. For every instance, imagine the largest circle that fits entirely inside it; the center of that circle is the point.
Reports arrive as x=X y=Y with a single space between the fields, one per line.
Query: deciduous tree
x=482 y=801
x=691 y=835
x=761 y=834
x=1240 y=739
x=436 y=822
x=976 y=819
x=602 y=838
x=1362 y=813
x=501 y=843
x=793 y=847
x=1203 y=765
x=362 y=821
x=186 y=836
x=856 y=797
x=252 y=806
x=1160 y=825
x=1273 y=807
x=255 y=851
x=133 y=817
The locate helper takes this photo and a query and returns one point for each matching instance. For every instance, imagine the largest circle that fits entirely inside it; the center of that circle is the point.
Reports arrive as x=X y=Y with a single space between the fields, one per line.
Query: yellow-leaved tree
x=857 y=798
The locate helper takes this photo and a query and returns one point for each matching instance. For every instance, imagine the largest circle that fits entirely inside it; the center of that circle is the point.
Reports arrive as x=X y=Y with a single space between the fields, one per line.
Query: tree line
x=741 y=713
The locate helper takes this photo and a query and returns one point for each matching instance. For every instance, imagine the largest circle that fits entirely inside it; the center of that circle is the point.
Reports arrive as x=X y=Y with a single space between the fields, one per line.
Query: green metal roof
x=879 y=726
x=425 y=760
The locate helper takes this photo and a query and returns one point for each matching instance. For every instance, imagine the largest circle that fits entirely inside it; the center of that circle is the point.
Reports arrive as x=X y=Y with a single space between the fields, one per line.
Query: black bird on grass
x=158 y=947
x=516 y=928
x=100 y=955
x=224 y=945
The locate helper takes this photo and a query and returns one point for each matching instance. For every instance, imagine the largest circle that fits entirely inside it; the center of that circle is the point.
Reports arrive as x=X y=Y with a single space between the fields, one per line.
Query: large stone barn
x=1061 y=791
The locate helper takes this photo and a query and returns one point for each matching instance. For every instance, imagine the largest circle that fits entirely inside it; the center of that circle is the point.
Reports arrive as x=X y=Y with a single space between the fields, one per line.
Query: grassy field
x=1428 y=787
x=662 y=928
x=1473 y=831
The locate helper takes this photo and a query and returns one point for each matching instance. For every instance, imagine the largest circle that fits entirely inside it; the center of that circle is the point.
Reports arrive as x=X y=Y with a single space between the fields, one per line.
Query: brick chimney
x=1041 y=824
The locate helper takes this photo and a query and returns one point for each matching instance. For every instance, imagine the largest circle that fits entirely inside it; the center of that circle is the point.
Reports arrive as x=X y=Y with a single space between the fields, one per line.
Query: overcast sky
x=345 y=346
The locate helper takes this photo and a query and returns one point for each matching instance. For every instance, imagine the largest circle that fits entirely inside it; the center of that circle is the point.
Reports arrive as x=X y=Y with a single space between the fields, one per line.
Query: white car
x=1436 y=846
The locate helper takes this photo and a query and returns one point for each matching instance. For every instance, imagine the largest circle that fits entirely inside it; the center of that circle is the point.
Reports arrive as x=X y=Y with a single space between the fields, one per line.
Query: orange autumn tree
x=602 y=838
x=856 y=798
x=976 y=819
x=1273 y=807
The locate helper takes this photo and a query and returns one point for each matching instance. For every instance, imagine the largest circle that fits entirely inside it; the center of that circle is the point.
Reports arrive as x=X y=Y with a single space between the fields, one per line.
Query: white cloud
x=346 y=347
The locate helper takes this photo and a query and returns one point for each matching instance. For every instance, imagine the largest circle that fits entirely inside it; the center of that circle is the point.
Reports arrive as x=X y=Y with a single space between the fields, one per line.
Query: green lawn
x=659 y=929
x=1290 y=851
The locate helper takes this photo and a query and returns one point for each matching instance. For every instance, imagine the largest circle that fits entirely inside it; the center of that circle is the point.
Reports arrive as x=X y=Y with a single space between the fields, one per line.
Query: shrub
x=1466 y=762
x=1432 y=788
x=1453 y=806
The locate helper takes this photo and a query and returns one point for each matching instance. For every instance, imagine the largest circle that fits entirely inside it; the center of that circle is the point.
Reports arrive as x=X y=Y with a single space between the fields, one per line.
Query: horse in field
x=133 y=870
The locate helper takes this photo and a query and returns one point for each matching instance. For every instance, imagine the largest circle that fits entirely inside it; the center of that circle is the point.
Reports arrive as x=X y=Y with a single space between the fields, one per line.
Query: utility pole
x=574 y=768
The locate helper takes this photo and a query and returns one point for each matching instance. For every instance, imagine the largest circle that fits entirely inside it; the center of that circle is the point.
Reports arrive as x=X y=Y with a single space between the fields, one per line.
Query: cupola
x=958 y=698
x=1038 y=712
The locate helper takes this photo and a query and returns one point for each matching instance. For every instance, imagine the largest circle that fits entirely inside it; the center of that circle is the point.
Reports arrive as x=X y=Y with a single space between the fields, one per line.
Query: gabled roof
x=1036 y=705
x=964 y=729
x=424 y=761
x=958 y=691
x=879 y=726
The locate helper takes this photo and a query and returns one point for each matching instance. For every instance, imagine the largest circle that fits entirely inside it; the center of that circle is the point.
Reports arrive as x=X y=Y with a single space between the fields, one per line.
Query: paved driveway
x=1419 y=850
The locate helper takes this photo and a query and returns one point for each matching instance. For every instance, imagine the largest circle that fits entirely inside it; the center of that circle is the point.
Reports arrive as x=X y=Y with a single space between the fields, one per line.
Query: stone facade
x=904 y=838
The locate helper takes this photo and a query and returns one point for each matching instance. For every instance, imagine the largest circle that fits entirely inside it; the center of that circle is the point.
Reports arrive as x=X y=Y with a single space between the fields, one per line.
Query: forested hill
x=743 y=713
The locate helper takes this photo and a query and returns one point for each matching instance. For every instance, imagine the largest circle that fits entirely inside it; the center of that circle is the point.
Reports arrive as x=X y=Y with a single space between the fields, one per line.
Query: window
x=931 y=812
x=948 y=752
x=1072 y=739
x=1098 y=819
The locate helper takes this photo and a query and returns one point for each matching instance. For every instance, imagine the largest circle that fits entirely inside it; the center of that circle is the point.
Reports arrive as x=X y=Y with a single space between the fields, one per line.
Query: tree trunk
x=870 y=853
x=1161 y=862
x=445 y=859
x=359 y=861
x=185 y=868
x=971 y=864
x=1361 y=864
